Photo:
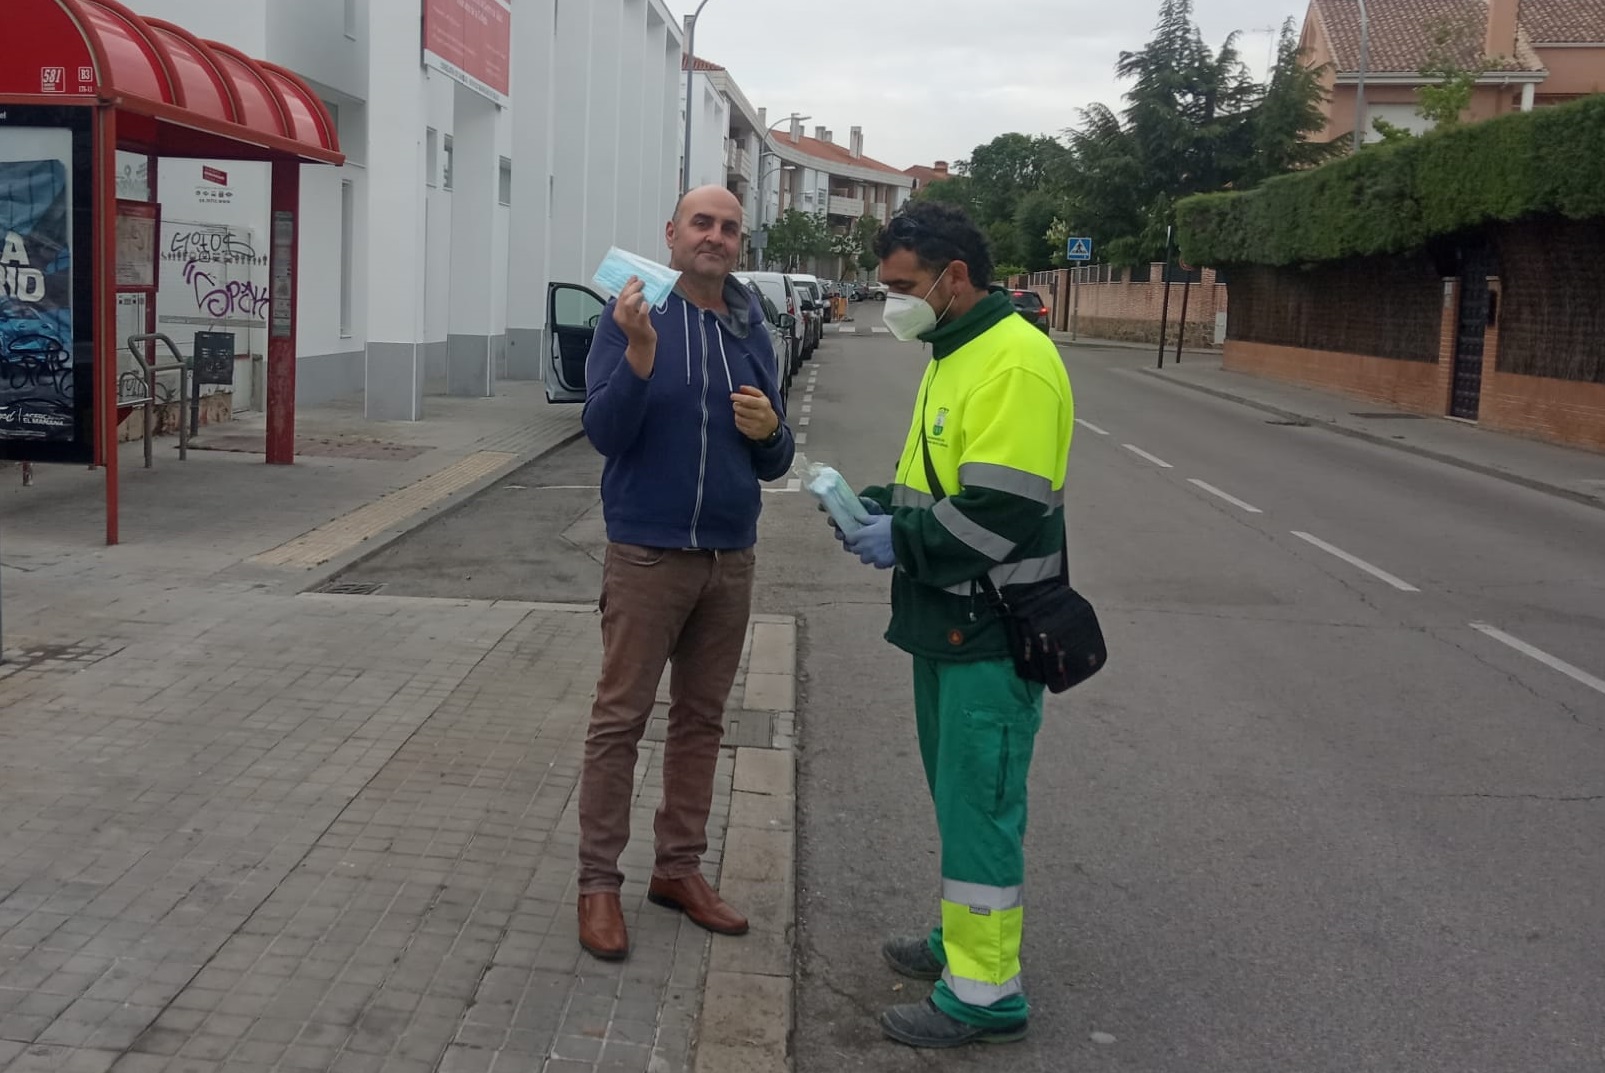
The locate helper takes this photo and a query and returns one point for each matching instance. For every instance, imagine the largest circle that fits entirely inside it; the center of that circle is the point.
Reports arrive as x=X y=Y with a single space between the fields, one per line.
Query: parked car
x=778 y=325
x=813 y=307
x=573 y=311
x=783 y=293
x=1029 y=304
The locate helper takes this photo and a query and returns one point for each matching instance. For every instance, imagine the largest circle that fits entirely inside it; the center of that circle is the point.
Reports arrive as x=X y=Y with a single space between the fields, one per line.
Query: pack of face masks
x=834 y=493
x=619 y=265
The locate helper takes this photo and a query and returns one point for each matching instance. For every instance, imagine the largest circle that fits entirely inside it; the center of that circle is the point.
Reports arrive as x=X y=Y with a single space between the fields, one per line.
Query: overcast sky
x=931 y=79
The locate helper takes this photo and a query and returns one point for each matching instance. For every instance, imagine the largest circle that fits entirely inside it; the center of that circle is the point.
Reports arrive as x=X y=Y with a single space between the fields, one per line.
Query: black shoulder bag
x=1053 y=632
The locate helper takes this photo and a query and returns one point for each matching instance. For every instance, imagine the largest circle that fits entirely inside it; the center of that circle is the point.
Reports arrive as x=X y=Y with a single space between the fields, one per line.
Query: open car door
x=572 y=313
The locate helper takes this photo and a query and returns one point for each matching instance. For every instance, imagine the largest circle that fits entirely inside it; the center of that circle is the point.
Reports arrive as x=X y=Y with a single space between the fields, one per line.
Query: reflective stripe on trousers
x=981 y=933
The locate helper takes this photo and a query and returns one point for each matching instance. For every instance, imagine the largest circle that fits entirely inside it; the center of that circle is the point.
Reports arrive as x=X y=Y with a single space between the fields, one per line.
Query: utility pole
x=690 y=70
x=1360 y=123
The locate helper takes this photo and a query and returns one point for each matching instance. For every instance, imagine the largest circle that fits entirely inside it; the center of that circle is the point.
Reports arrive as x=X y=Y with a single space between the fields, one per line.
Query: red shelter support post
x=105 y=202
x=285 y=229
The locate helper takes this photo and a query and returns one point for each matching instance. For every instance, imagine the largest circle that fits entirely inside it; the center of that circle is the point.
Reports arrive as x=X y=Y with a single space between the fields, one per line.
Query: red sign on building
x=471 y=41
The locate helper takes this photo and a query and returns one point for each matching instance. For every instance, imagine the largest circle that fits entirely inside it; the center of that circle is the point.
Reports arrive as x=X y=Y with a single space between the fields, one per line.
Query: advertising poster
x=37 y=392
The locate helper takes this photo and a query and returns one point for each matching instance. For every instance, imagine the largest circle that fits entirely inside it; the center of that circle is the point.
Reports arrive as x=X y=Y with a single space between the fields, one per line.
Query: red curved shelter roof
x=174 y=93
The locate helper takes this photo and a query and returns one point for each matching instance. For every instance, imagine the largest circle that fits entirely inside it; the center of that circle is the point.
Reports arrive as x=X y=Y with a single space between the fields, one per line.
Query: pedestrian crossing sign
x=1079 y=249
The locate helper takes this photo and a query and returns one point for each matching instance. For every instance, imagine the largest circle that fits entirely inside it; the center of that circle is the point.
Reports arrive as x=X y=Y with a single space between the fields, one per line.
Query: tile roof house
x=838 y=180
x=1535 y=52
x=924 y=176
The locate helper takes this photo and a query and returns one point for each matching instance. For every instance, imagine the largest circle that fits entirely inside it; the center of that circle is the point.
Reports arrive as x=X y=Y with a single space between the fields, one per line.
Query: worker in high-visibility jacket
x=992 y=425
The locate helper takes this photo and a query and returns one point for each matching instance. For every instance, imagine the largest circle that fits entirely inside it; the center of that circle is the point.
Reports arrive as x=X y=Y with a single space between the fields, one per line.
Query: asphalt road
x=1306 y=820
x=1309 y=819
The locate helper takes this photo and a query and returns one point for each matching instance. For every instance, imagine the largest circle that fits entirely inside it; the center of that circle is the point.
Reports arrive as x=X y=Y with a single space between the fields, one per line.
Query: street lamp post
x=690 y=70
x=792 y=119
x=1359 y=93
x=763 y=191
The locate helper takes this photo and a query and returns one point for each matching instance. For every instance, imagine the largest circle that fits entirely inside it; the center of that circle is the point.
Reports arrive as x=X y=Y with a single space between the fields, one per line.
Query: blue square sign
x=1079 y=249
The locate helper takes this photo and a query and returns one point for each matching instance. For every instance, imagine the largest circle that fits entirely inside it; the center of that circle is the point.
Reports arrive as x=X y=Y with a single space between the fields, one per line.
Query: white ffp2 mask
x=619 y=265
x=907 y=317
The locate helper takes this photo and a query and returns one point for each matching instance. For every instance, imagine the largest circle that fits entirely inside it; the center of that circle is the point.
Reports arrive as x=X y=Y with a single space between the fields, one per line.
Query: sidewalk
x=248 y=829
x=1570 y=472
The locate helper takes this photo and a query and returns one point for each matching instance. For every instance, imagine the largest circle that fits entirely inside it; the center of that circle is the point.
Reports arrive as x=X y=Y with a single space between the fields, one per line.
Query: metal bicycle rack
x=183 y=367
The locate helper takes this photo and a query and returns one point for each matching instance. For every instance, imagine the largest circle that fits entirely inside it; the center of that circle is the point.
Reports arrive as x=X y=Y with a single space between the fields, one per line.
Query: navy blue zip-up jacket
x=679 y=474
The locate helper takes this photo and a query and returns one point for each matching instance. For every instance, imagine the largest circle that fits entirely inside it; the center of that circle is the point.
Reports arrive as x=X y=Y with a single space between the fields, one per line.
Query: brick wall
x=1130 y=312
x=1410 y=385
x=1561 y=411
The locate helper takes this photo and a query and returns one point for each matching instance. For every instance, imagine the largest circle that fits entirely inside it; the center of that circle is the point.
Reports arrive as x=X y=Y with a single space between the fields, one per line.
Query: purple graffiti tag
x=221 y=301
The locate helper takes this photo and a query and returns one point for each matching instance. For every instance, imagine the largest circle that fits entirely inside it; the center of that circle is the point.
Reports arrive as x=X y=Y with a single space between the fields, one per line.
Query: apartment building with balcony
x=726 y=138
x=822 y=176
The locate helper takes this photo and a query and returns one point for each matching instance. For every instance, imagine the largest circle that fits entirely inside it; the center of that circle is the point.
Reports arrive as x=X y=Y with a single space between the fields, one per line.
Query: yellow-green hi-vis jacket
x=997 y=411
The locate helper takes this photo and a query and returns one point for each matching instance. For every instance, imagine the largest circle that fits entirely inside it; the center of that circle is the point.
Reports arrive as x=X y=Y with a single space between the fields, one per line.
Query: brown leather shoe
x=693 y=897
x=602 y=931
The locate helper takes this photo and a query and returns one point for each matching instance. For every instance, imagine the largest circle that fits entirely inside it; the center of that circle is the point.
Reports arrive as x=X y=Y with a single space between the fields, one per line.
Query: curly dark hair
x=938 y=234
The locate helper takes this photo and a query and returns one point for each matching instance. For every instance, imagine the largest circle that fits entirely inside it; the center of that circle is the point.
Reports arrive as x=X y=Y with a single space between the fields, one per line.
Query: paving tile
x=346 y=835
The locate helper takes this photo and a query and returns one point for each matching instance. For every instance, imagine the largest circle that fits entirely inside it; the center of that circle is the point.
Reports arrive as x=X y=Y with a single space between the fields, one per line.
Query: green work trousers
x=978 y=725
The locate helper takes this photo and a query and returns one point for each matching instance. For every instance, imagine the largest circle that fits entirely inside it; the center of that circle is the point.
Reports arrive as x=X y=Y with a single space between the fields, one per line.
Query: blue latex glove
x=873 y=543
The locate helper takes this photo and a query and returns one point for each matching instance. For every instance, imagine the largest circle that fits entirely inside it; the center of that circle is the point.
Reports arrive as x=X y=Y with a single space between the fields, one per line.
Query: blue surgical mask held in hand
x=619 y=265
x=833 y=493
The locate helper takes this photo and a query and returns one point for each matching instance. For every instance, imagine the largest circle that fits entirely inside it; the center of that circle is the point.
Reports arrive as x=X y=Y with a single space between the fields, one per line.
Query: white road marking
x=805 y=421
x=881 y=331
x=1352 y=560
x=562 y=487
x=1090 y=427
x=801 y=438
x=1233 y=500
x=1140 y=453
x=807 y=408
x=1552 y=662
x=793 y=485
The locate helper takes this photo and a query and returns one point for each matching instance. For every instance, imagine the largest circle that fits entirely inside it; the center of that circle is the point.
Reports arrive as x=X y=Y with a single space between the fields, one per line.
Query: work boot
x=923 y=1025
x=910 y=955
x=602 y=931
x=693 y=897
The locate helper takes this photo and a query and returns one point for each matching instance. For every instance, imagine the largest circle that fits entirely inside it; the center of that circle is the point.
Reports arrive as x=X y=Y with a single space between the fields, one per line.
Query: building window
x=446 y=181
x=431 y=156
x=505 y=182
x=348 y=225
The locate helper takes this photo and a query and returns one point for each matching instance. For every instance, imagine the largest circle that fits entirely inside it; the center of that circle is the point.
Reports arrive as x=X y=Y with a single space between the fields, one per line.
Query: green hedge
x=1392 y=198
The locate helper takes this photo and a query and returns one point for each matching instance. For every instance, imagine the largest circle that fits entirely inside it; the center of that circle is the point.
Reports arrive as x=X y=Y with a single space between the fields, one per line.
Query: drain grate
x=351 y=588
x=1388 y=417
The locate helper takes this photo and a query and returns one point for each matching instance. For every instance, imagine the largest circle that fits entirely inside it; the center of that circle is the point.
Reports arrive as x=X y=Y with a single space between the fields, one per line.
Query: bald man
x=683 y=403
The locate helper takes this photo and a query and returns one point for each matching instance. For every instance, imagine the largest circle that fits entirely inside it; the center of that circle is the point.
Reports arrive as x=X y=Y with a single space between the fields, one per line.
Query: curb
x=312 y=578
x=1062 y=339
x=1531 y=483
x=748 y=1005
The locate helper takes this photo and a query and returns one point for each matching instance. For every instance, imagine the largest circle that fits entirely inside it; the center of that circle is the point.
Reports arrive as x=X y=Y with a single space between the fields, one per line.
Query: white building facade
x=425 y=260
x=727 y=143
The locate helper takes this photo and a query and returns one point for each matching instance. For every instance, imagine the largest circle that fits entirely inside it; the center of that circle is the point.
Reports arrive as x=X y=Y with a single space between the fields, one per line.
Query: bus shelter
x=82 y=80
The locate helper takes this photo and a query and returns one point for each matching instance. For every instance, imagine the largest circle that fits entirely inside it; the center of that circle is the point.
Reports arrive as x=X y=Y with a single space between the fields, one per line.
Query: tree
x=1444 y=101
x=1033 y=220
x=956 y=190
x=865 y=232
x=1195 y=121
x=797 y=235
x=1288 y=112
